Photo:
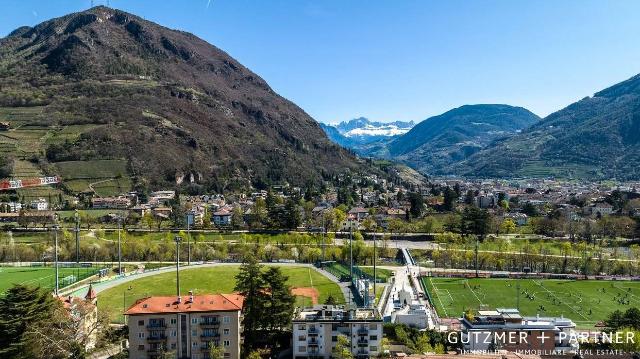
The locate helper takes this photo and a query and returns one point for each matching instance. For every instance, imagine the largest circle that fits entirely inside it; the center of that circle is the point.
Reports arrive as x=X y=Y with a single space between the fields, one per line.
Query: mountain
x=107 y=90
x=433 y=144
x=360 y=134
x=597 y=137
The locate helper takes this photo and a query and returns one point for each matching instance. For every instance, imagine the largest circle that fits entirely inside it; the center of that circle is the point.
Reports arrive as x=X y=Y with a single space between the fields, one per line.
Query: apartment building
x=185 y=327
x=316 y=331
x=506 y=329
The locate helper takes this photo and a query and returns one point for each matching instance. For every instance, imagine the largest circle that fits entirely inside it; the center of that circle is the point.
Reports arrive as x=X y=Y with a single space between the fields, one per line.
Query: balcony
x=157 y=325
x=156 y=338
x=313 y=331
x=210 y=322
x=363 y=342
x=313 y=343
x=209 y=336
x=363 y=331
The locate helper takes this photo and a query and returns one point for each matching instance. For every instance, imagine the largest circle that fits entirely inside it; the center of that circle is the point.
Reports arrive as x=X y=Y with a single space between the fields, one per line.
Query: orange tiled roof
x=201 y=303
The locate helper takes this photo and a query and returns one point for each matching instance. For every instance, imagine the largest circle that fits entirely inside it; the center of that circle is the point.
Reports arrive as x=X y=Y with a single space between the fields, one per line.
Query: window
x=302 y=327
x=194 y=320
x=226 y=343
x=141 y=335
x=141 y=347
x=302 y=349
x=373 y=326
x=225 y=331
x=334 y=338
x=174 y=333
x=226 y=319
x=140 y=322
x=194 y=333
x=227 y=355
x=173 y=321
x=373 y=348
x=173 y=345
x=301 y=338
x=373 y=337
x=194 y=344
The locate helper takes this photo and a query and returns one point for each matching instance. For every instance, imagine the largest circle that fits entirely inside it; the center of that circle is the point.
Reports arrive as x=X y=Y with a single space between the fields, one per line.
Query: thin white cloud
x=35 y=13
x=208 y=3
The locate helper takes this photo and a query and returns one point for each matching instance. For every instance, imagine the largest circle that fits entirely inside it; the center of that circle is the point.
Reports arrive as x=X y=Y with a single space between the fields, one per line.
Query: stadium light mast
x=178 y=239
x=351 y=252
x=323 y=243
x=119 y=246
x=374 y=269
x=77 y=230
x=190 y=217
x=55 y=255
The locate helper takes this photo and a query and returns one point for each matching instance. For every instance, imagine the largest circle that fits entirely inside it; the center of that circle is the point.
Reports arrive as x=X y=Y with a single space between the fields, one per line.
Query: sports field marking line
x=561 y=301
x=472 y=291
x=436 y=290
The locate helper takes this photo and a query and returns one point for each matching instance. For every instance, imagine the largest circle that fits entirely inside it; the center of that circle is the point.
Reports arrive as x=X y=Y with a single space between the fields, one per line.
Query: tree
x=250 y=284
x=423 y=344
x=35 y=325
x=330 y=300
x=279 y=305
x=476 y=221
x=216 y=352
x=508 y=226
x=292 y=215
x=259 y=213
x=237 y=218
x=342 y=350
x=417 y=204
x=450 y=197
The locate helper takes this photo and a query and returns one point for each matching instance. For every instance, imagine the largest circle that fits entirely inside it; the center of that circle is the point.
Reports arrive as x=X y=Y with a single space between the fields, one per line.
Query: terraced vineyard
x=31 y=132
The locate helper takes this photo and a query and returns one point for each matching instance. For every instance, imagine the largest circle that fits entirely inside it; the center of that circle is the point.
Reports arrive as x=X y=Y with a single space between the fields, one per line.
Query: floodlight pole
x=55 y=246
x=189 y=218
x=119 y=247
x=178 y=239
x=77 y=230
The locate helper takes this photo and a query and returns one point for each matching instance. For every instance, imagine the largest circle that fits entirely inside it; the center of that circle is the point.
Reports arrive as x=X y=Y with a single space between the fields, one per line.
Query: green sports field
x=41 y=276
x=220 y=279
x=585 y=302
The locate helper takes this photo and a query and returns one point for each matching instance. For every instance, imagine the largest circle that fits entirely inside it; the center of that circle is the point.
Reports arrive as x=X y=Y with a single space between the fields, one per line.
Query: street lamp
x=178 y=239
x=55 y=255
x=77 y=230
x=119 y=247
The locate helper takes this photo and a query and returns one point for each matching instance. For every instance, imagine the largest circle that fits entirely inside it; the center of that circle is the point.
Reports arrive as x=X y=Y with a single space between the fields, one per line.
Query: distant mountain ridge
x=597 y=137
x=109 y=85
x=433 y=144
x=359 y=133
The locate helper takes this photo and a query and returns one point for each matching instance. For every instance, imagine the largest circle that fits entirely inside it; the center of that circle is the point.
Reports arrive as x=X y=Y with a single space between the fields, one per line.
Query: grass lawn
x=585 y=302
x=220 y=279
x=40 y=276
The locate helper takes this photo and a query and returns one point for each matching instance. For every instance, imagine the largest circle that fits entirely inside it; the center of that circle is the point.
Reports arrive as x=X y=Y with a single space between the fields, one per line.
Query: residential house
x=316 y=331
x=119 y=202
x=222 y=217
x=186 y=325
x=507 y=329
x=39 y=204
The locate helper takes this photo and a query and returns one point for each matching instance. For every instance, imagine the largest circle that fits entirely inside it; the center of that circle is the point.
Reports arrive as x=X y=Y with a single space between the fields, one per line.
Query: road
x=407 y=278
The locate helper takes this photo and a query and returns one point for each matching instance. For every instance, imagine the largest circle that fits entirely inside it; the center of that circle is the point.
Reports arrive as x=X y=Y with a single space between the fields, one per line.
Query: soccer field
x=585 y=302
x=41 y=276
x=219 y=279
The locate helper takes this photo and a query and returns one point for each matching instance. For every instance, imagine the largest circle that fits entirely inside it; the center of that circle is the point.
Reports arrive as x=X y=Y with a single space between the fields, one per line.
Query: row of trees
x=305 y=248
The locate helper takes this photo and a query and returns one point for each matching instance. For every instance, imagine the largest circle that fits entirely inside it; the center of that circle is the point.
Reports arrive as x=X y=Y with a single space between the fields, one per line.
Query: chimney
x=190 y=296
x=179 y=299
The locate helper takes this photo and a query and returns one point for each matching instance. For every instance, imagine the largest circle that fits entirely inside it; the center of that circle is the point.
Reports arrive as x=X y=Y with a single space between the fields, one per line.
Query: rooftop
x=196 y=303
x=336 y=313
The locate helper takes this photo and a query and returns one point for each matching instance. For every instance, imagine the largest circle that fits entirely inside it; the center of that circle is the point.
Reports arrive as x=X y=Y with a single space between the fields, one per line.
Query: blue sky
x=402 y=60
